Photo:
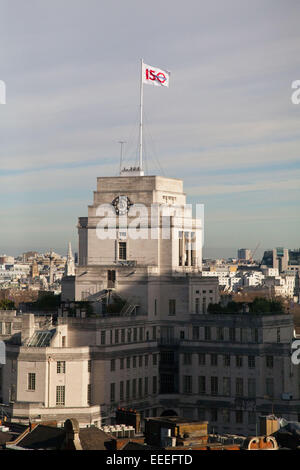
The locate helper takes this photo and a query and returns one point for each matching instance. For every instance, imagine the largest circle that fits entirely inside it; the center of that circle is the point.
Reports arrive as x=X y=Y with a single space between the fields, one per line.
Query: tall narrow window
x=197 y=305
x=122 y=391
x=214 y=385
x=172 y=307
x=89 y=394
x=201 y=385
x=127 y=390
x=112 y=392
x=31 y=381
x=154 y=385
x=111 y=278
x=61 y=367
x=122 y=251
x=60 y=395
x=103 y=337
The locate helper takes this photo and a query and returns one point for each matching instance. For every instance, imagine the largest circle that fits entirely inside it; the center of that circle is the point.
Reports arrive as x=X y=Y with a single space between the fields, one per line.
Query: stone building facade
x=161 y=352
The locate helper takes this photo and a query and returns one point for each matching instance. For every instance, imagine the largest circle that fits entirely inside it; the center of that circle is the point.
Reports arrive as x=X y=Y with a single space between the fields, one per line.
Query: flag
x=155 y=76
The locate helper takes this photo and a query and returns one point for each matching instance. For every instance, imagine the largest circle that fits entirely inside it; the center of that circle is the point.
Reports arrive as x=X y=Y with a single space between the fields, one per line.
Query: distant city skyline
x=226 y=125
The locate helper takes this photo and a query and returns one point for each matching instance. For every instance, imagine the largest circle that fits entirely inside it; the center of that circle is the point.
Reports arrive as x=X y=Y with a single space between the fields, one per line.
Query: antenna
x=121 y=142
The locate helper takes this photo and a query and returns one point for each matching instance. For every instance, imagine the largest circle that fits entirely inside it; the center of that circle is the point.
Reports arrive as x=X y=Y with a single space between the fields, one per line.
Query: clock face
x=121 y=205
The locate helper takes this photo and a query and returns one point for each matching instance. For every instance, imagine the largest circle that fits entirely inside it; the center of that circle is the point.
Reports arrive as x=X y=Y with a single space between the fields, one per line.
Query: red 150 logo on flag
x=152 y=75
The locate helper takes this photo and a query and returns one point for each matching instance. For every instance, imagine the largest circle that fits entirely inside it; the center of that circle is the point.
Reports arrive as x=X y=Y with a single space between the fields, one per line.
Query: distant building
x=244 y=254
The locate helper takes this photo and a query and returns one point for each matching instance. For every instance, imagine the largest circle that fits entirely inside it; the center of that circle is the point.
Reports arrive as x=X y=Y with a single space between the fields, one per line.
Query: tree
x=6 y=304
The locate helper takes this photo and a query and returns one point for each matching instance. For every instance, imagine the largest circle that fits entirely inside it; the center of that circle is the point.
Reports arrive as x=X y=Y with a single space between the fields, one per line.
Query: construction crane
x=253 y=252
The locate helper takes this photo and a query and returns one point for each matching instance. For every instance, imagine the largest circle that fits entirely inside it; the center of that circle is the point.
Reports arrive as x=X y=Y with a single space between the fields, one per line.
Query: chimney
x=27 y=326
x=268 y=425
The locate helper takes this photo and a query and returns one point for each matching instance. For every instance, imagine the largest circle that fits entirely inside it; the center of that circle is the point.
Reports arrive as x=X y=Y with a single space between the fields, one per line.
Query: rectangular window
x=239 y=361
x=123 y=336
x=214 y=385
x=251 y=362
x=239 y=416
x=146 y=361
x=278 y=335
x=172 y=307
x=220 y=334
x=111 y=278
x=269 y=362
x=251 y=388
x=226 y=415
x=201 y=385
x=127 y=390
x=7 y=328
x=122 y=251
x=226 y=360
x=122 y=363
x=154 y=333
x=116 y=336
x=134 y=362
x=187 y=359
x=31 y=381
x=154 y=359
x=121 y=391
x=197 y=305
x=155 y=306
x=187 y=384
x=214 y=359
x=60 y=395
x=89 y=364
x=207 y=333
x=243 y=335
x=135 y=335
x=146 y=386
x=154 y=385
x=129 y=335
x=140 y=388
x=112 y=365
x=226 y=386
x=134 y=388
x=89 y=394
x=232 y=335
x=140 y=361
x=61 y=367
x=112 y=392
x=201 y=359
x=239 y=389
x=13 y=393
x=102 y=337
x=128 y=362
x=141 y=334
x=195 y=332
x=254 y=335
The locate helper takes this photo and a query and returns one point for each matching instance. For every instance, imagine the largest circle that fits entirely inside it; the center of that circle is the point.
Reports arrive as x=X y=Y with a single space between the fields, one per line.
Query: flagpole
x=141 y=119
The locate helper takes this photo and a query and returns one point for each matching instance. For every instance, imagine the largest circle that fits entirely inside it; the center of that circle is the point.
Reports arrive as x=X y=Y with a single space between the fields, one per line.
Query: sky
x=226 y=126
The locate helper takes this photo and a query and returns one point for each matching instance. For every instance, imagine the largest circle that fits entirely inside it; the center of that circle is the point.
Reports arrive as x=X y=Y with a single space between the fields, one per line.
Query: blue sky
x=226 y=125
